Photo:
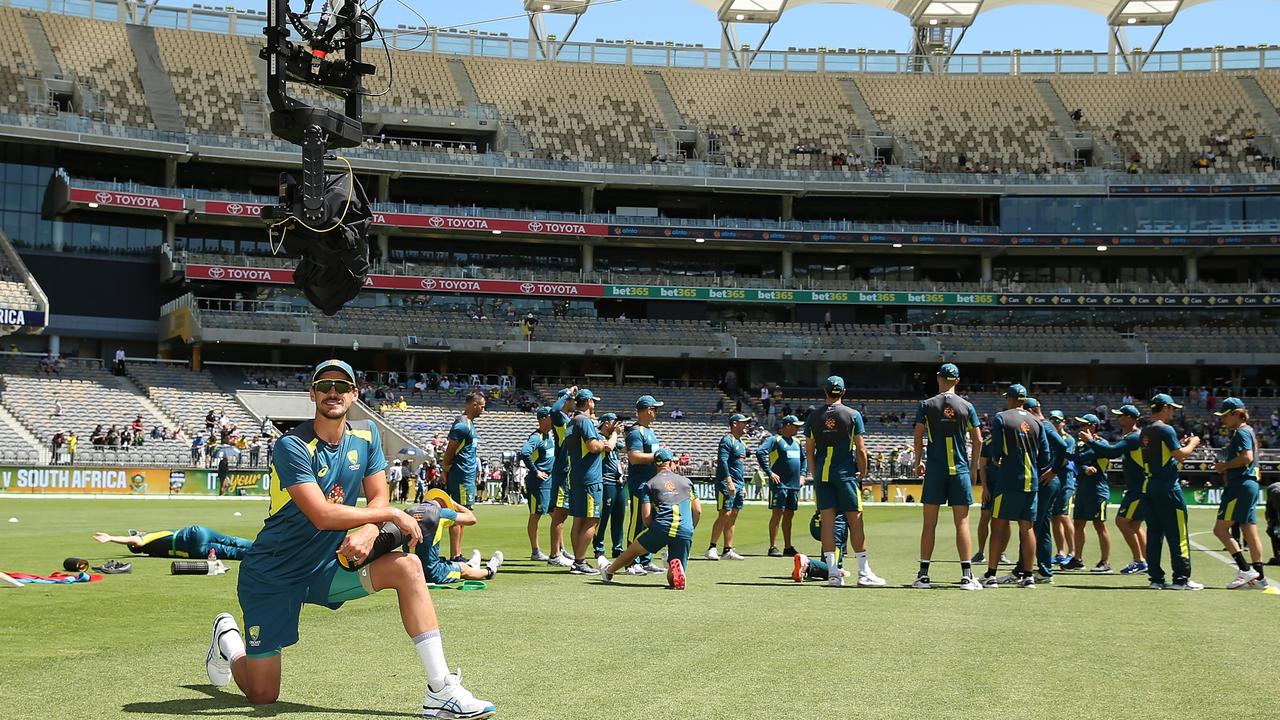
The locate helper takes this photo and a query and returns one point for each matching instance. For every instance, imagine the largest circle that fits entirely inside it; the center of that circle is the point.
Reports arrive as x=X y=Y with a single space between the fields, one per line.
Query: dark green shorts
x=1015 y=505
x=271 y=612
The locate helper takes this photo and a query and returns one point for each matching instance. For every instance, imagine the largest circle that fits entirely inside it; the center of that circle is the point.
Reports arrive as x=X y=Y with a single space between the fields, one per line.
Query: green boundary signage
x=942 y=299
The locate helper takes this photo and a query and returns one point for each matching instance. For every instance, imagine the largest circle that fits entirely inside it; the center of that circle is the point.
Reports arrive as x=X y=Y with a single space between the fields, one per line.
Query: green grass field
x=742 y=642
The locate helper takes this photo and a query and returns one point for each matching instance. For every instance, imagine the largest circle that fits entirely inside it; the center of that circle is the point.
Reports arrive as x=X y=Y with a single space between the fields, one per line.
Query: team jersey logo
x=254 y=633
x=353 y=458
x=830 y=423
x=336 y=495
x=1025 y=428
x=669 y=486
x=324 y=470
x=949 y=412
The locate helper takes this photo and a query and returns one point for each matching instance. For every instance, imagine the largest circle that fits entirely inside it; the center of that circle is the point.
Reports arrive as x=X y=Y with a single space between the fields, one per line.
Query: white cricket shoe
x=560 y=561
x=495 y=562
x=968 y=582
x=636 y=570
x=474 y=562
x=712 y=554
x=1244 y=578
x=602 y=564
x=870 y=579
x=1188 y=584
x=922 y=583
x=733 y=555
x=215 y=664
x=836 y=580
x=454 y=702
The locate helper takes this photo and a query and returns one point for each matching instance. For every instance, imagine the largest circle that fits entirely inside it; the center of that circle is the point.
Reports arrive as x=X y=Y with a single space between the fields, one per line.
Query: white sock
x=864 y=567
x=231 y=645
x=830 y=559
x=431 y=651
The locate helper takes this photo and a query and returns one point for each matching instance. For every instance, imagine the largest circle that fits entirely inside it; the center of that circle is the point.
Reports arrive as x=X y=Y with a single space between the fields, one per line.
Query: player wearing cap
x=318 y=471
x=950 y=422
x=1020 y=452
x=538 y=454
x=461 y=464
x=1049 y=494
x=613 y=507
x=782 y=459
x=670 y=512
x=1060 y=514
x=560 y=478
x=1167 y=508
x=1093 y=492
x=642 y=444
x=836 y=454
x=731 y=487
x=1132 y=510
x=586 y=446
x=1240 y=497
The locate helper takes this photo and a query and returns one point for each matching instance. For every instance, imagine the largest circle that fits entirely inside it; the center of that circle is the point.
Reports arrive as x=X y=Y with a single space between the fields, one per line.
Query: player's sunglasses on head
x=324 y=386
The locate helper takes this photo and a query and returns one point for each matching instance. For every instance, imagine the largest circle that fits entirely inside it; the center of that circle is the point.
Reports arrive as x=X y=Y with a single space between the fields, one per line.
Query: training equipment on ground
x=236 y=514
x=464 y=585
x=389 y=538
x=13 y=519
x=74 y=564
x=113 y=567
x=197 y=567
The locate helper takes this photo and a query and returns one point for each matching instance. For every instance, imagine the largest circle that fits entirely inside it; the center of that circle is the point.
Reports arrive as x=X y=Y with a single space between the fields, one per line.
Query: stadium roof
x=1116 y=11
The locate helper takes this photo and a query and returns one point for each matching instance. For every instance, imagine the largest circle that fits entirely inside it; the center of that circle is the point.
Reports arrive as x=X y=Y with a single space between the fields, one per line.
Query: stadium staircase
x=1270 y=118
x=16 y=441
x=461 y=78
x=48 y=62
x=161 y=99
x=127 y=385
x=873 y=134
x=1068 y=139
x=671 y=115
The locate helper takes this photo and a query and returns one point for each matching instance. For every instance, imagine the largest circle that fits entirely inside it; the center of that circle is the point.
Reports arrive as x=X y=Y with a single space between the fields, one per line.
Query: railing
x=650 y=53
x=422 y=156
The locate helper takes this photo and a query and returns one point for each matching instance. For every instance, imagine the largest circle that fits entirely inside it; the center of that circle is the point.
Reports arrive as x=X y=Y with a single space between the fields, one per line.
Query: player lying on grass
x=670 y=512
x=194 y=541
x=435 y=517
x=318 y=471
x=807 y=568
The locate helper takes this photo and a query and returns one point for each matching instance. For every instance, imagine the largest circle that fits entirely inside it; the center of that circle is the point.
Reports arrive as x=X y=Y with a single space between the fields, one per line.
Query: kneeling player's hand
x=410 y=527
x=357 y=545
x=919 y=469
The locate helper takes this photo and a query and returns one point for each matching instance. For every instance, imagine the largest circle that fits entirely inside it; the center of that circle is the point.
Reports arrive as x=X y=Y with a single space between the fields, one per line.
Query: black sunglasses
x=324 y=386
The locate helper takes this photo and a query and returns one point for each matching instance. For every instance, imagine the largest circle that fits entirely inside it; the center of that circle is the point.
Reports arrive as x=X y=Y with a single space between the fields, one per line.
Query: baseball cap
x=1057 y=415
x=333 y=364
x=1090 y=419
x=1231 y=404
x=792 y=420
x=1016 y=391
x=543 y=411
x=1129 y=410
x=835 y=384
x=738 y=417
x=1160 y=401
x=645 y=402
x=949 y=371
x=608 y=417
x=663 y=455
x=584 y=395
x=1030 y=403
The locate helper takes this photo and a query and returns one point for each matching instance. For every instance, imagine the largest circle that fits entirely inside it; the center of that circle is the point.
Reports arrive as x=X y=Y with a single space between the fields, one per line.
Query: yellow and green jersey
x=947 y=419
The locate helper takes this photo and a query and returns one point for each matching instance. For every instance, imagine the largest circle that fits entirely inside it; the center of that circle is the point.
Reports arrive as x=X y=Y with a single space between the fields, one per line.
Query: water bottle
x=213 y=556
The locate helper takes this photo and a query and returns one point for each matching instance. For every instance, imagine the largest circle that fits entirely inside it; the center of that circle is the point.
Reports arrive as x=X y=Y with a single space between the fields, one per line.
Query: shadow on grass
x=216 y=704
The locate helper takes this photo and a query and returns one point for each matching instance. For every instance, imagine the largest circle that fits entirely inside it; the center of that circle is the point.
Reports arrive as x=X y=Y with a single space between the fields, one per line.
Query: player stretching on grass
x=461 y=464
x=1132 y=510
x=670 y=512
x=435 y=516
x=1241 y=495
x=782 y=458
x=949 y=420
x=318 y=471
x=195 y=541
x=834 y=444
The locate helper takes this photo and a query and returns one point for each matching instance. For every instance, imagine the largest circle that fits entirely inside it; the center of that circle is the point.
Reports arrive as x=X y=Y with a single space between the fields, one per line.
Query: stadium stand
x=187 y=396
x=582 y=112
x=775 y=113
x=14 y=447
x=17 y=60
x=90 y=396
x=98 y=53
x=1167 y=121
x=16 y=296
x=998 y=122
x=213 y=79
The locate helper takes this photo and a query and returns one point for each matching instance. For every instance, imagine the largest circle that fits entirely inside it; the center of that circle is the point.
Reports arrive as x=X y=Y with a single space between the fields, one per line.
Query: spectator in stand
x=677 y=414
x=719 y=409
x=529 y=327
x=242 y=446
x=1210 y=402
x=73 y=444
x=119 y=361
x=255 y=452
x=55 y=445
x=113 y=438
x=1077 y=115
x=98 y=438
x=210 y=420
x=57 y=408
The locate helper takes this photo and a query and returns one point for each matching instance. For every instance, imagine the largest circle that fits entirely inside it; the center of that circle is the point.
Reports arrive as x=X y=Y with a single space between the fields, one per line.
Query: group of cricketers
x=317 y=546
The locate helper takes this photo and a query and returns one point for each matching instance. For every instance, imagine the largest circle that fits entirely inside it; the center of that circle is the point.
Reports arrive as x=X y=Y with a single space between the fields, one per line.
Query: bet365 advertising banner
x=128 y=481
